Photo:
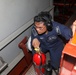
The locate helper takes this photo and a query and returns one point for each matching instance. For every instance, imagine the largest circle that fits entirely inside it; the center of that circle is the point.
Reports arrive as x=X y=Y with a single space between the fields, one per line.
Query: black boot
x=48 y=69
x=56 y=70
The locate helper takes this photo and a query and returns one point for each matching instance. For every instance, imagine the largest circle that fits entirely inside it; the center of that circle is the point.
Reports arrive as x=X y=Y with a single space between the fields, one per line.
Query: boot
x=48 y=69
x=56 y=70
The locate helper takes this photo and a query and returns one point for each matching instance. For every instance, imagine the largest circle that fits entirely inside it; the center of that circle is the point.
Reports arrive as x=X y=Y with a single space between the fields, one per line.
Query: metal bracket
x=3 y=64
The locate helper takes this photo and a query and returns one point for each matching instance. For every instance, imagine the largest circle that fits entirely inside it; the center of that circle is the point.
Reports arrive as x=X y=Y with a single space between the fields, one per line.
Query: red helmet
x=39 y=58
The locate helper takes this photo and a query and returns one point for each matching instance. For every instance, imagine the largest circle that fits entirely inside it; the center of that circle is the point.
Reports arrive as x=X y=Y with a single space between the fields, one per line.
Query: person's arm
x=34 y=39
x=63 y=30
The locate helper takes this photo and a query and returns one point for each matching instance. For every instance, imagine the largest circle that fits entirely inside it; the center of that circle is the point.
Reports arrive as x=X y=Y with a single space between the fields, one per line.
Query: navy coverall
x=52 y=43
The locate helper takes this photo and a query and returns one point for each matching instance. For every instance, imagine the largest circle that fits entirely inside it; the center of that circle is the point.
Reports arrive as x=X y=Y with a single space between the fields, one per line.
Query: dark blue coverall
x=52 y=43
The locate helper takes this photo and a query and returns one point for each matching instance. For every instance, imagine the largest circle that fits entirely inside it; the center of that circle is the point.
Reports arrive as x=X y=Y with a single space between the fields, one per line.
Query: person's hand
x=35 y=43
x=74 y=27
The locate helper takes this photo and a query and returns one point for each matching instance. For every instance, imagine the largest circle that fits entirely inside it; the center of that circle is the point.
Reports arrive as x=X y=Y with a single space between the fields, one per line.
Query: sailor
x=45 y=35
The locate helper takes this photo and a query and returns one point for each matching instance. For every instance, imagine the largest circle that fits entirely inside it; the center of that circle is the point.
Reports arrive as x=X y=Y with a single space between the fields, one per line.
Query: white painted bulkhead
x=11 y=53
